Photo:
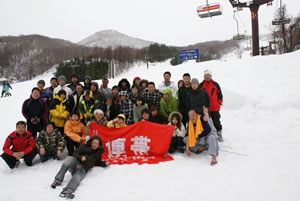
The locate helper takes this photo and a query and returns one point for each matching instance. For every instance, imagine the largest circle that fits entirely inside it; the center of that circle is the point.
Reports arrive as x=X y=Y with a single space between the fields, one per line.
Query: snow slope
x=259 y=159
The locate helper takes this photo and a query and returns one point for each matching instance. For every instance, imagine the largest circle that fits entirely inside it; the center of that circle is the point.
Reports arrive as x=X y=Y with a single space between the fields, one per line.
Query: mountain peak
x=113 y=38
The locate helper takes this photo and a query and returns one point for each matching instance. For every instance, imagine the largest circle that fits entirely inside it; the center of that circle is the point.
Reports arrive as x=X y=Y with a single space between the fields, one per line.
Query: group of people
x=59 y=116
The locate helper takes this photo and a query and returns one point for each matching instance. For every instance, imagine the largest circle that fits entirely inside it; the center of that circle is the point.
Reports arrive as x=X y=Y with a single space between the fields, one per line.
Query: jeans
x=78 y=172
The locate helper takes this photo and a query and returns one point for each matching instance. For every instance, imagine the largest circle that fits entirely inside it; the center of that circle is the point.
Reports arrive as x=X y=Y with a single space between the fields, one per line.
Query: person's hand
x=82 y=141
x=101 y=86
x=42 y=151
x=205 y=111
x=107 y=163
x=115 y=120
x=16 y=155
x=83 y=158
x=59 y=117
x=59 y=153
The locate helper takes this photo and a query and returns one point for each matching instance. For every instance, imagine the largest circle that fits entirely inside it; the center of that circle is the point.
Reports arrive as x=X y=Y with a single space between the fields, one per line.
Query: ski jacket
x=170 y=105
x=75 y=130
x=214 y=92
x=15 y=143
x=196 y=99
x=52 y=141
x=58 y=111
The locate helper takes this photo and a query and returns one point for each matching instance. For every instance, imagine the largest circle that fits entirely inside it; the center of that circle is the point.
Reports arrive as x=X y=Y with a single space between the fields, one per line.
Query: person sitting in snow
x=19 y=144
x=157 y=117
x=83 y=159
x=100 y=119
x=75 y=133
x=50 y=143
x=118 y=122
x=175 y=119
x=201 y=134
x=168 y=103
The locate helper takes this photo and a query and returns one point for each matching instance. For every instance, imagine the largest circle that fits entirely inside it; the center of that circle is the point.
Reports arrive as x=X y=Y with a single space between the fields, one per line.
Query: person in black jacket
x=182 y=96
x=197 y=98
x=83 y=159
x=124 y=85
x=110 y=109
x=35 y=110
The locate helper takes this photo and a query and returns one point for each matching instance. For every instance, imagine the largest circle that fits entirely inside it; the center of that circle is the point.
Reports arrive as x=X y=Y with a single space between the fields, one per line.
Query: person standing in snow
x=62 y=85
x=124 y=85
x=75 y=98
x=83 y=159
x=74 y=82
x=87 y=83
x=104 y=86
x=43 y=94
x=182 y=97
x=201 y=135
x=87 y=106
x=168 y=84
x=5 y=89
x=168 y=103
x=216 y=99
x=19 y=144
x=110 y=109
x=97 y=94
x=35 y=110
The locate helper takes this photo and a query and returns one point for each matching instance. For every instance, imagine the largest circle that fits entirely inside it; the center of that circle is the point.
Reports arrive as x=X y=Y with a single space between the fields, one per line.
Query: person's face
x=104 y=83
x=151 y=88
x=193 y=116
x=109 y=101
x=166 y=96
x=180 y=84
x=174 y=121
x=145 y=116
x=98 y=116
x=207 y=77
x=139 y=102
x=40 y=86
x=75 y=117
x=95 y=144
x=21 y=129
x=195 y=86
x=123 y=98
x=53 y=83
x=74 y=80
x=86 y=81
x=115 y=92
x=167 y=77
x=123 y=84
x=144 y=85
x=63 y=96
x=120 y=121
x=136 y=82
x=49 y=128
x=134 y=90
x=35 y=94
x=62 y=82
x=79 y=89
x=186 y=80
x=154 y=113
x=93 y=88
x=88 y=98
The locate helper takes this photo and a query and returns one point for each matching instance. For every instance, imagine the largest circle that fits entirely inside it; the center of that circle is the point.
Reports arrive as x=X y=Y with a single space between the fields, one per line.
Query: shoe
x=67 y=194
x=180 y=149
x=213 y=163
x=17 y=164
x=54 y=184
x=220 y=137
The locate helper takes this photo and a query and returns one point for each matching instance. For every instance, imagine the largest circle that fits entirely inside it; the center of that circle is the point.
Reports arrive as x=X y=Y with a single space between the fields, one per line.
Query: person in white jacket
x=175 y=119
x=62 y=85
x=168 y=84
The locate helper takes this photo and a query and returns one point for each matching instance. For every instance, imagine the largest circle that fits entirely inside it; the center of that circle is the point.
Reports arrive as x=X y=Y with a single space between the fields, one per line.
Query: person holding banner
x=201 y=134
x=118 y=122
x=100 y=119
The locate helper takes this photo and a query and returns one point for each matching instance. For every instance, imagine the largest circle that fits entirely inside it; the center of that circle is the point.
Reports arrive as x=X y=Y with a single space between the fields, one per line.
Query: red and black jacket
x=15 y=143
x=215 y=94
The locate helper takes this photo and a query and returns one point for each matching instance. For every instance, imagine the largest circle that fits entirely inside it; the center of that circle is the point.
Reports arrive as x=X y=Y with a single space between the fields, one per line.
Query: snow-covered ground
x=259 y=159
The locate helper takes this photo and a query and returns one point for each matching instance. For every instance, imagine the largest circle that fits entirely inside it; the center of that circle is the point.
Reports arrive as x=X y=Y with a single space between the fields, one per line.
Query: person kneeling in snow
x=201 y=135
x=83 y=159
x=23 y=146
x=50 y=143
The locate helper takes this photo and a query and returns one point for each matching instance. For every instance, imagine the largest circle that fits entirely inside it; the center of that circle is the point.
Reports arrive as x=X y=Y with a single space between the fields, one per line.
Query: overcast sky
x=173 y=22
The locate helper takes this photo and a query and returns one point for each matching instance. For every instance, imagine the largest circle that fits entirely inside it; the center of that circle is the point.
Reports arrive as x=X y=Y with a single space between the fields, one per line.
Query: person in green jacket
x=168 y=103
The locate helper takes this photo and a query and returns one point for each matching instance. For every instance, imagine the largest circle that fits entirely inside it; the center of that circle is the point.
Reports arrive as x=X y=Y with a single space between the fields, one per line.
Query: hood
x=167 y=91
x=123 y=116
x=143 y=81
x=127 y=84
x=59 y=98
x=172 y=114
x=96 y=84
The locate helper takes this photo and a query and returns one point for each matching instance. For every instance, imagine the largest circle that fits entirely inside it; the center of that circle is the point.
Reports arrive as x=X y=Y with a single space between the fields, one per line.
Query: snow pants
x=11 y=160
x=215 y=116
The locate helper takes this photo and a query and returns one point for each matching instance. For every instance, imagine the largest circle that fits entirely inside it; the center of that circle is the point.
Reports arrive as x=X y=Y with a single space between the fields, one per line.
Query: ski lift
x=209 y=10
x=238 y=36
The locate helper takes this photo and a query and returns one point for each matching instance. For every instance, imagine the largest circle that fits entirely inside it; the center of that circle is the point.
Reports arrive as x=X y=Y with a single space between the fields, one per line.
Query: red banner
x=142 y=142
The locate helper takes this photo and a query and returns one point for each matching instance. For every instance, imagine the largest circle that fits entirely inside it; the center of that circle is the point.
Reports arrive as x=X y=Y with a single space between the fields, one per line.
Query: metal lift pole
x=255 y=30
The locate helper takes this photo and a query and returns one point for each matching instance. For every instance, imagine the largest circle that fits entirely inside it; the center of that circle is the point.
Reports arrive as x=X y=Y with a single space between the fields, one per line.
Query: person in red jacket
x=19 y=144
x=216 y=99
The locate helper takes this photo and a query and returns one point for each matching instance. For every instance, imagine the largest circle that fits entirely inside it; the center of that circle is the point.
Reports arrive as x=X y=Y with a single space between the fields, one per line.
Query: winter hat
x=61 y=92
x=88 y=77
x=123 y=93
x=62 y=77
x=41 y=82
x=195 y=81
x=108 y=96
x=98 y=111
x=207 y=72
x=136 y=78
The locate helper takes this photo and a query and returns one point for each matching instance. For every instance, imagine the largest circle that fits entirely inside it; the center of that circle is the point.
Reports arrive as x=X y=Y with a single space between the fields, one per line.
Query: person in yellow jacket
x=59 y=110
x=75 y=133
x=118 y=122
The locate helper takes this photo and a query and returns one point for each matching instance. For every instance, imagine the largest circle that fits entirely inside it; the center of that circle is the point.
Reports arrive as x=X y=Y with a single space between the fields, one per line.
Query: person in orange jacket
x=75 y=132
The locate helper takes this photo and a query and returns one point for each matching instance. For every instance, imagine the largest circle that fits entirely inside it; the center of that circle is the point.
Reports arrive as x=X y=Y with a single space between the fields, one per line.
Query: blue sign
x=188 y=55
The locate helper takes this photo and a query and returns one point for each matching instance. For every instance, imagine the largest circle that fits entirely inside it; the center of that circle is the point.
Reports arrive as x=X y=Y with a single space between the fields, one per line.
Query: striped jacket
x=51 y=141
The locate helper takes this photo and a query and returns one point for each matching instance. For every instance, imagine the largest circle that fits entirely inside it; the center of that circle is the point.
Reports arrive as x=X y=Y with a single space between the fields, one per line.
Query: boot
x=67 y=194
x=54 y=184
x=220 y=137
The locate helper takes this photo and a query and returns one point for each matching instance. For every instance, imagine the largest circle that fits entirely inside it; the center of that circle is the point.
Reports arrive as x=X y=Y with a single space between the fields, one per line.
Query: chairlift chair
x=209 y=10
x=238 y=36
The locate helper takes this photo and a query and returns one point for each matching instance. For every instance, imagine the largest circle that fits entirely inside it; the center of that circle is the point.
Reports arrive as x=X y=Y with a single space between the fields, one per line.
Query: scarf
x=192 y=134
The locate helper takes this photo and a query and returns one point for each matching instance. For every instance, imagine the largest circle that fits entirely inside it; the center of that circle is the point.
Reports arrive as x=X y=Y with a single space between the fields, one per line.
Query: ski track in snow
x=259 y=159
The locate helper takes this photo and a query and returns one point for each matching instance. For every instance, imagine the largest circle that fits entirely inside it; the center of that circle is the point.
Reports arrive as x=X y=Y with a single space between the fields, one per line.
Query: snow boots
x=67 y=194
x=54 y=184
x=220 y=137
